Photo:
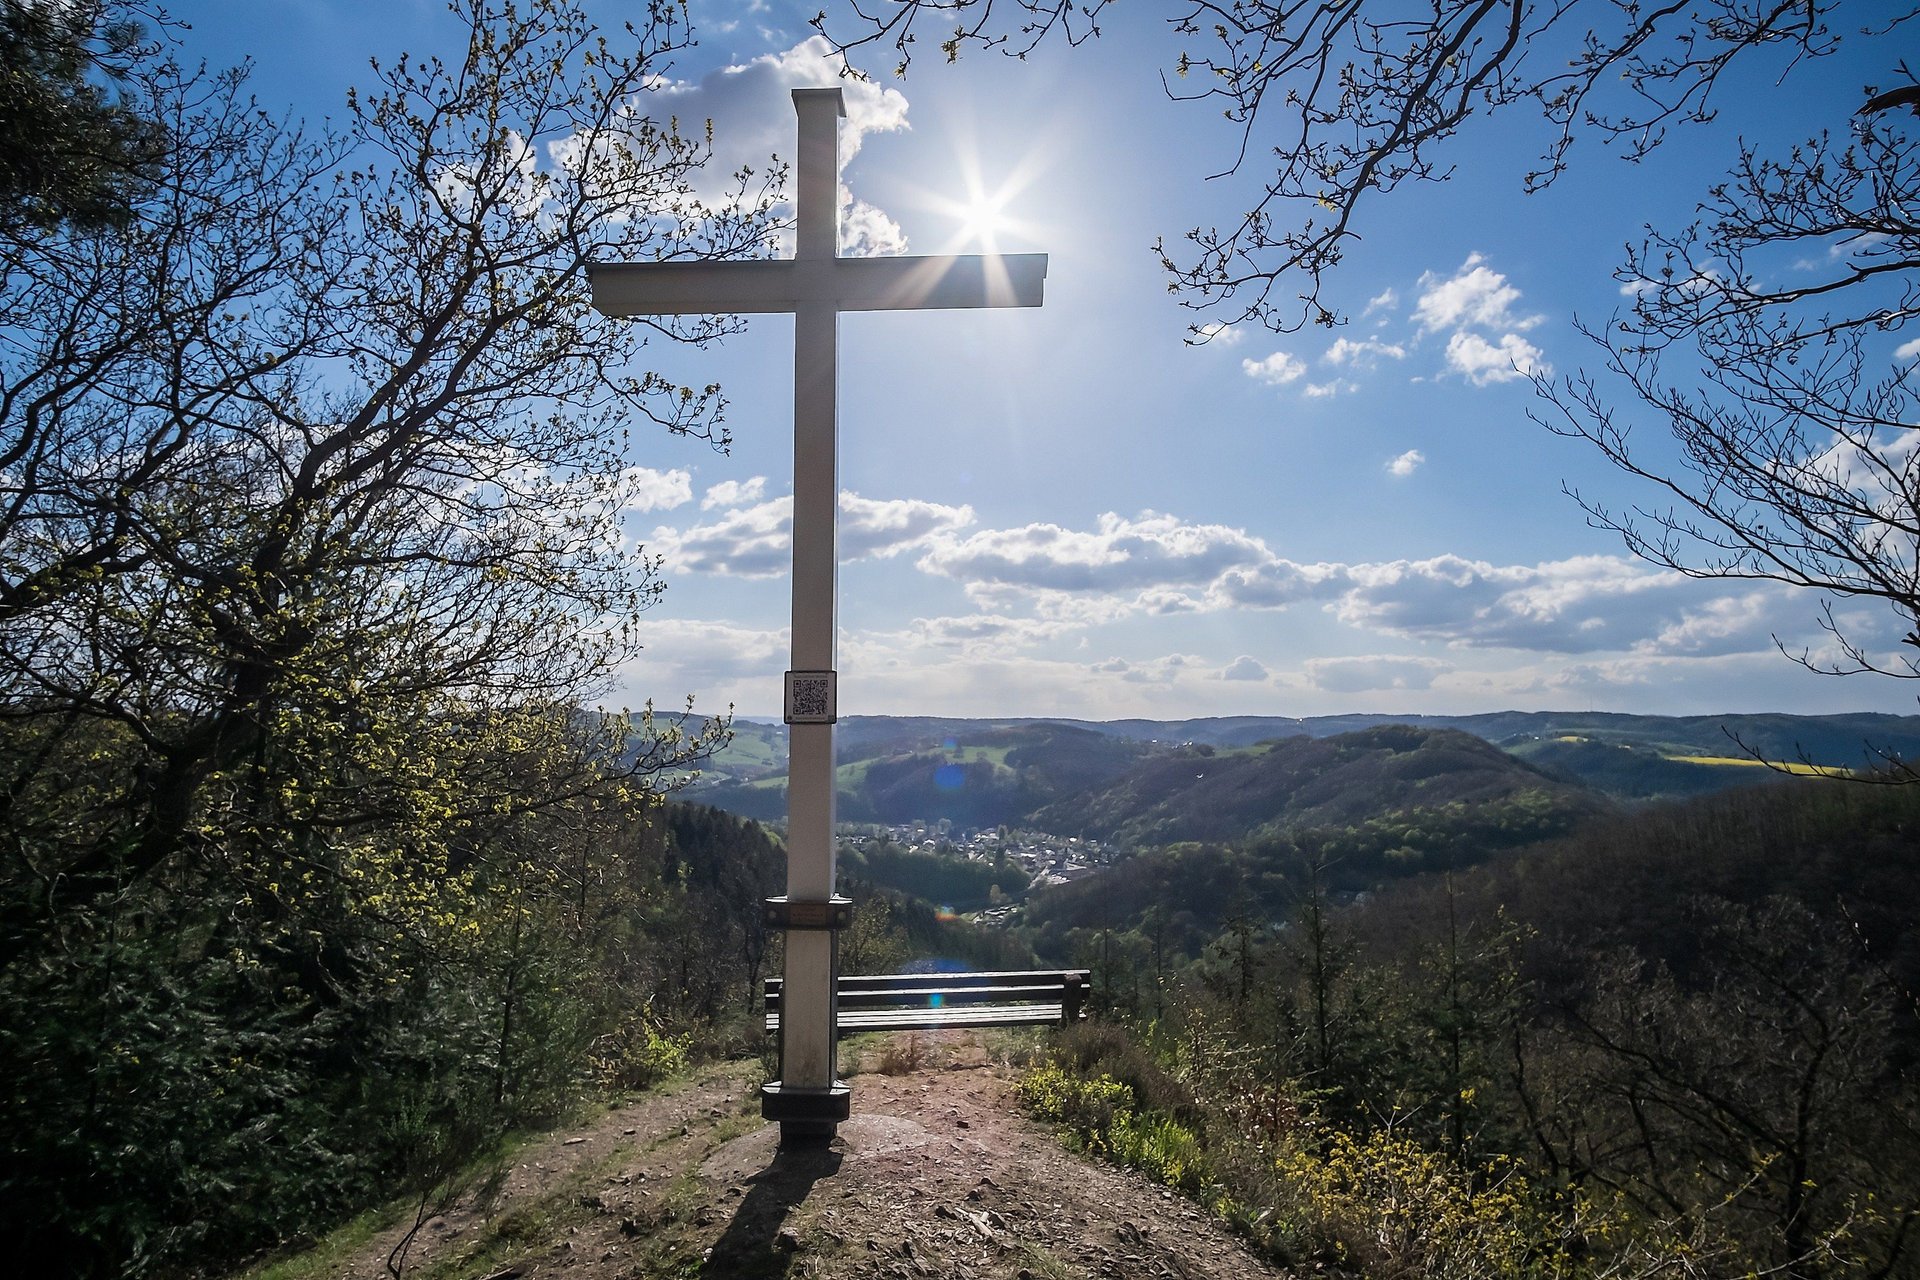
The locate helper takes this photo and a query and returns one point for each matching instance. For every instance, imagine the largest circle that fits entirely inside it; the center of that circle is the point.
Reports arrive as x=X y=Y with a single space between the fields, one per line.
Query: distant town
x=1048 y=859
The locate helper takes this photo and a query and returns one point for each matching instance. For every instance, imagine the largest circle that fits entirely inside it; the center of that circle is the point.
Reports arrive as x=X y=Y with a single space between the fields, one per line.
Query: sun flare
x=985 y=211
x=983 y=218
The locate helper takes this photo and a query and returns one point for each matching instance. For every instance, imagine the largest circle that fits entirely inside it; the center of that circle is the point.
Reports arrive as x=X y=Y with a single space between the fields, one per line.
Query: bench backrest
x=1066 y=988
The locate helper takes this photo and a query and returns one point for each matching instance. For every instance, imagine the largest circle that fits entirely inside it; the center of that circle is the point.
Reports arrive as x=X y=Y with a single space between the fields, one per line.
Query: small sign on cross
x=815 y=285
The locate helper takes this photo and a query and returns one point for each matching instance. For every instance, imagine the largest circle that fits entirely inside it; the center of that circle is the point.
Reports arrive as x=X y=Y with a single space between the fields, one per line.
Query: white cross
x=816 y=285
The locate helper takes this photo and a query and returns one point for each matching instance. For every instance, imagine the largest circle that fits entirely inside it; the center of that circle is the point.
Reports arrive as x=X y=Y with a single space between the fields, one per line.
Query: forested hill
x=990 y=771
x=1200 y=793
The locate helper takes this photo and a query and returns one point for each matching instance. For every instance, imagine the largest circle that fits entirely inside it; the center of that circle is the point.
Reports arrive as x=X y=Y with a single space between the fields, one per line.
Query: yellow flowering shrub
x=1389 y=1208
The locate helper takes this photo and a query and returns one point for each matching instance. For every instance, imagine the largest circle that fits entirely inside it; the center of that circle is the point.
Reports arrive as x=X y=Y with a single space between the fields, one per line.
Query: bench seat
x=931 y=1001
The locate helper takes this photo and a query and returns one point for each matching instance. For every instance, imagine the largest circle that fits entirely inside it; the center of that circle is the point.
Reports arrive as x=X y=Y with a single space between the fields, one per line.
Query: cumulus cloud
x=1907 y=350
x=1121 y=555
x=1042 y=582
x=734 y=493
x=1474 y=295
x=1322 y=390
x=1731 y=624
x=1276 y=370
x=1475 y=298
x=1148 y=671
x=650 y=490
x=751 y=542
x=702 y=656
x=1275 y=583
x=751 y=107
x=1407 y=463
x=984 y=632
x=1244 y=667
x=876 y=527
x=1218 y=333
x=1585 y=604
x=1370 y=672
x=1364 y=354
x=756 y=541
x=1385 y=300
x=1699 y=282
x=1484 y=362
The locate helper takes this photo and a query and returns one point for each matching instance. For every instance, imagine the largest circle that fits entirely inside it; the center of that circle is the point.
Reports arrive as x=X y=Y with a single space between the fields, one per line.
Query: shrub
x=641 y=1053
x=1389 y=1208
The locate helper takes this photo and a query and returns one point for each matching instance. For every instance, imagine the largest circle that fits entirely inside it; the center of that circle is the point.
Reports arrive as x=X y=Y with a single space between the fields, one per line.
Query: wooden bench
x=929 y=1001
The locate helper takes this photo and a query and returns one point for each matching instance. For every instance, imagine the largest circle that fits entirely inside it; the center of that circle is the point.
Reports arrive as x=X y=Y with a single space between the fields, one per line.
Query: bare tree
x=1792 y=408
x=1352 y=100
x=1764 y=336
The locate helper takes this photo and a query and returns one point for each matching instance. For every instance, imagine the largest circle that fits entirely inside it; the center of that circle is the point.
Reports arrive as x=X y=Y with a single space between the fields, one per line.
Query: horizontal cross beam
x=848 y=284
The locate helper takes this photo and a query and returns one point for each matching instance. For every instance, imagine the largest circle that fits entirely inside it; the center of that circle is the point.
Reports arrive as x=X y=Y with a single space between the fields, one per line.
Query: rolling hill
x=1197 y=792
x=987 y=772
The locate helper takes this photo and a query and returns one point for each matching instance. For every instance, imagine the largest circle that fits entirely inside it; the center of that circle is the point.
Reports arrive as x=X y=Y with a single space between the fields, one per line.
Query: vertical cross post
x=816 y=285
x=810 y=1098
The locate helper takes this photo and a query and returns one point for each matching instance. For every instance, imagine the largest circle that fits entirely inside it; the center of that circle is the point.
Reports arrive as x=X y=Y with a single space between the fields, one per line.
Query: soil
x=937 y=1174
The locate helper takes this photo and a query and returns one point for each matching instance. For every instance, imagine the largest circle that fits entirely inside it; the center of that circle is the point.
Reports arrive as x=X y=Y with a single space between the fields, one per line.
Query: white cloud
x=1365 y=354
x=1163 y=670
x=734 y=493
x=1043 y=584
x=1322 y=390
x=1585 y=604
x=984 y=633
x=1483 y=362
x=1217 y=333
x=1473 y=295
x=650 y=490
x=1407 y=463
x=708 y=657
x=875 y=527
x=1740 y=623
x=1699 y=282
x=1385 y=300
x=1244 y=667
x=1907 y=350
x=751 y=107
x=866 y=232
x=1121 y=556
x=1366 y=673
x=751 y=542
x=1275 y=583
x=1276 y=370
x=757 y=541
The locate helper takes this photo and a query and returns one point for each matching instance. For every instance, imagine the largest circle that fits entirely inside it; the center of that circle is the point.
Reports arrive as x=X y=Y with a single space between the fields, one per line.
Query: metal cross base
x=807 y=1117
x=808 y=1114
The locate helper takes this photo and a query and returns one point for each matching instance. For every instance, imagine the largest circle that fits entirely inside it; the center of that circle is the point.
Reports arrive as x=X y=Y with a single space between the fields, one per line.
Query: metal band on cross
x=816 y=285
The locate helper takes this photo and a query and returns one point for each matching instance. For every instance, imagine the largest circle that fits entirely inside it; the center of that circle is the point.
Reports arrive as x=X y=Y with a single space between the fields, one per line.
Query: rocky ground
x=938 y=1174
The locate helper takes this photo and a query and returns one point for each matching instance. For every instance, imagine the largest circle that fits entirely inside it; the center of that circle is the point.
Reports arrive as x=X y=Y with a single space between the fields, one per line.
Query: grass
x=510 y=1233
x=330 y=1255
x=1783 y=766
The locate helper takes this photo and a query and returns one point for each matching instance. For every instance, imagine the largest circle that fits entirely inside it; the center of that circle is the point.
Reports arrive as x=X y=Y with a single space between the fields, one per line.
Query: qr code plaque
x=810 y=697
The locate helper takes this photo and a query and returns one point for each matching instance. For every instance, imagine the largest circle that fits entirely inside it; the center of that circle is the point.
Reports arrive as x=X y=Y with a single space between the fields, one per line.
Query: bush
x=640 y=1054
x=1102 y=1118
x=1109 y=1049
x=1388 y=1207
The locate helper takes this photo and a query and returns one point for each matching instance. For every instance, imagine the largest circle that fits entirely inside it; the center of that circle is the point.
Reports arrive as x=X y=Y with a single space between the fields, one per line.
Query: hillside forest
x=1399 y=1002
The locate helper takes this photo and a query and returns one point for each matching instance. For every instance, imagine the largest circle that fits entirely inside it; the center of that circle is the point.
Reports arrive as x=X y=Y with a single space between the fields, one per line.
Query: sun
x=985 y=210
x=982 y=218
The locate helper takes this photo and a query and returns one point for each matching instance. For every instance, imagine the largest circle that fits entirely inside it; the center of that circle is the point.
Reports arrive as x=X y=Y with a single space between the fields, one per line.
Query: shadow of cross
x=815 y=285
x=750 y=1245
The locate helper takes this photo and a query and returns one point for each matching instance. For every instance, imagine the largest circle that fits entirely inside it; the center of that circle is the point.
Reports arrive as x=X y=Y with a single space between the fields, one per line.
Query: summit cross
x=815 y=285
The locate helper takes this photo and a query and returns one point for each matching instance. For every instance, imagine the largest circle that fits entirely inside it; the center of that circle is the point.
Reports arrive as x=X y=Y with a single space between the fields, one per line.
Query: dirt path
x=938 y=1174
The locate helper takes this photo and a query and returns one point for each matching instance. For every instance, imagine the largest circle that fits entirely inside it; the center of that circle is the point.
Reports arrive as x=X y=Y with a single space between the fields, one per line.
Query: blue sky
x=1072 y=511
